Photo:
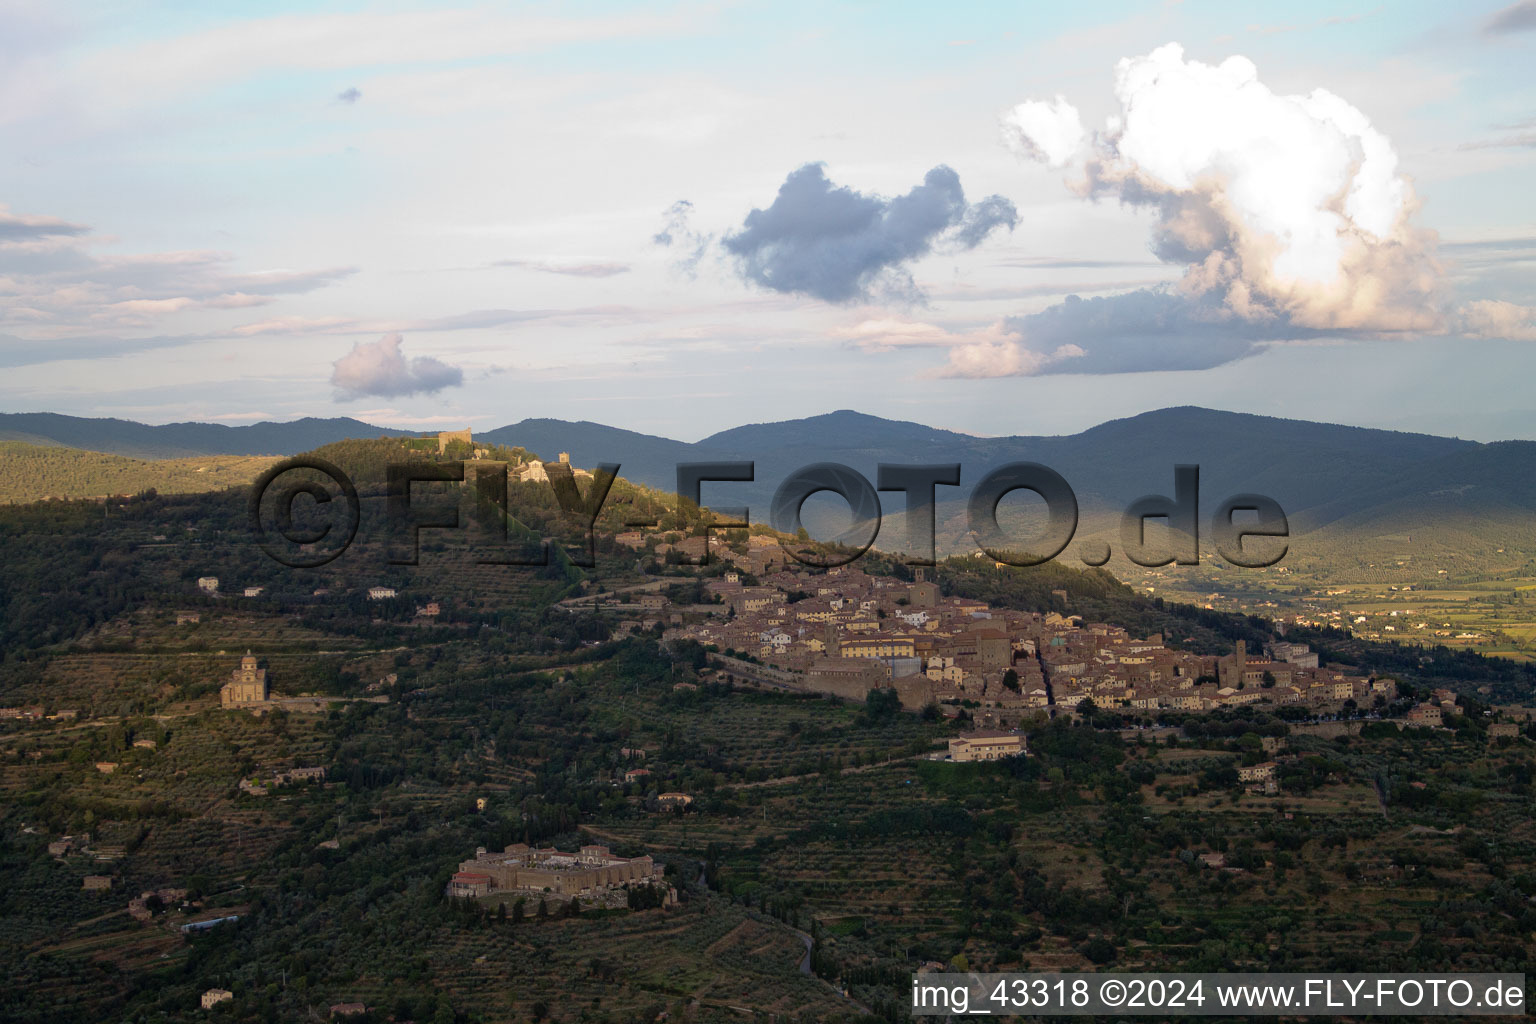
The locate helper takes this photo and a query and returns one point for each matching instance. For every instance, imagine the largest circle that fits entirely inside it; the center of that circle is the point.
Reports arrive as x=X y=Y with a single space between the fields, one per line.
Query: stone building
x=247 y=684
x=214 y=996
x=1426 y=715
x=986 y=745
x=1262 y=772
x=530 y=869
x=849 y=678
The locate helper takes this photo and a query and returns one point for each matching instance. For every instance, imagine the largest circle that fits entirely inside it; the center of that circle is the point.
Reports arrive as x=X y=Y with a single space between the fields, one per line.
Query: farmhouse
x=214 y=996
x=1261 y=772
x=986 y=745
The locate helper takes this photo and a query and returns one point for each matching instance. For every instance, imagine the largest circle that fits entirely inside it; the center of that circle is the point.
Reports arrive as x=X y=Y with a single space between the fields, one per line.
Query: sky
x=678 y=218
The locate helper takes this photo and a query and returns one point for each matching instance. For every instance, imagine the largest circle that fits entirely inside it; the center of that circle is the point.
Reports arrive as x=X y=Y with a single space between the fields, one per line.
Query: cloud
x=1288 y=213
x=1494 y=318
x=884 y=334
x=283 y=282
x=991 y=351
x=17 y=227
x=1003 y=359
x=839 y=245
x=1522 y=136
x=56 y=283
x=475 y=319
x=1520 y=17
x=18 y=351
x=688 y=245
x=1048 y=131
x=982 y=218
x=1146 y=330
x=380 y=369
x=569 y=269
x=349 y=95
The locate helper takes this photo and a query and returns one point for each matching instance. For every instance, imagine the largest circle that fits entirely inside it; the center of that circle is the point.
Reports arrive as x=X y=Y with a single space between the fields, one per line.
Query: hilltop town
x=846 y=632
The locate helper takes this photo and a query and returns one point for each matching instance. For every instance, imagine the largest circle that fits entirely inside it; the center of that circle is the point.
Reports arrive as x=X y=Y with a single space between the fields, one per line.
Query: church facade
x=247 y=685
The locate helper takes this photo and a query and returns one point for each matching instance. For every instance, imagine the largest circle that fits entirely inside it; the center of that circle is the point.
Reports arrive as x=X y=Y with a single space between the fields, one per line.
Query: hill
x=1303 y=465
x=1344 y=485
x=30 y=472
x=179 y=440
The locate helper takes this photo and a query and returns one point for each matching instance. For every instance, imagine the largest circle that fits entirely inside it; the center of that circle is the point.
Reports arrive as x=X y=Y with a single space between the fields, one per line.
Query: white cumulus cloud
x=380 y=368
x=1495 y=318
x=1289 y=213
x=1050 y=131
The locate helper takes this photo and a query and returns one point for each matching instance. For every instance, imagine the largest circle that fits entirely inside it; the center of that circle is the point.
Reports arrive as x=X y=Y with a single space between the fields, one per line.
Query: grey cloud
x=283 y=282
x=568 y=269
x=983 y=217
x=1496 y=245
x=837 y=244
x=58 y=280
x=476 y=319
x=676 y=234
x=1067 y=263
x=1494 y=269
x=676 y=222
x=350 y=95
x=483 y=318
x=1144 y=330
x=16 y=351
x=21 y=227
x=381 y=370
x=1520 y=140
x=1520 y=17
x=39 y=259
x=966 y=293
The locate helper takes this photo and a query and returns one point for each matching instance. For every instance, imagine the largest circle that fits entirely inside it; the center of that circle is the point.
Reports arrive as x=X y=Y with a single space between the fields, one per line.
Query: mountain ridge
x=186 y=439
x=1320 y=473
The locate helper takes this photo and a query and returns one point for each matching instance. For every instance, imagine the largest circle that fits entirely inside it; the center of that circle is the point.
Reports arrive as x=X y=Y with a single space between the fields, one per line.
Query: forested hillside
x=31 y=472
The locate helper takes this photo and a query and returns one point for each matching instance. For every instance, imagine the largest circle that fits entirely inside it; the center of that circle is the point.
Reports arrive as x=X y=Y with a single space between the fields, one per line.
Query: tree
x=1099 y=950
x=881 y=703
